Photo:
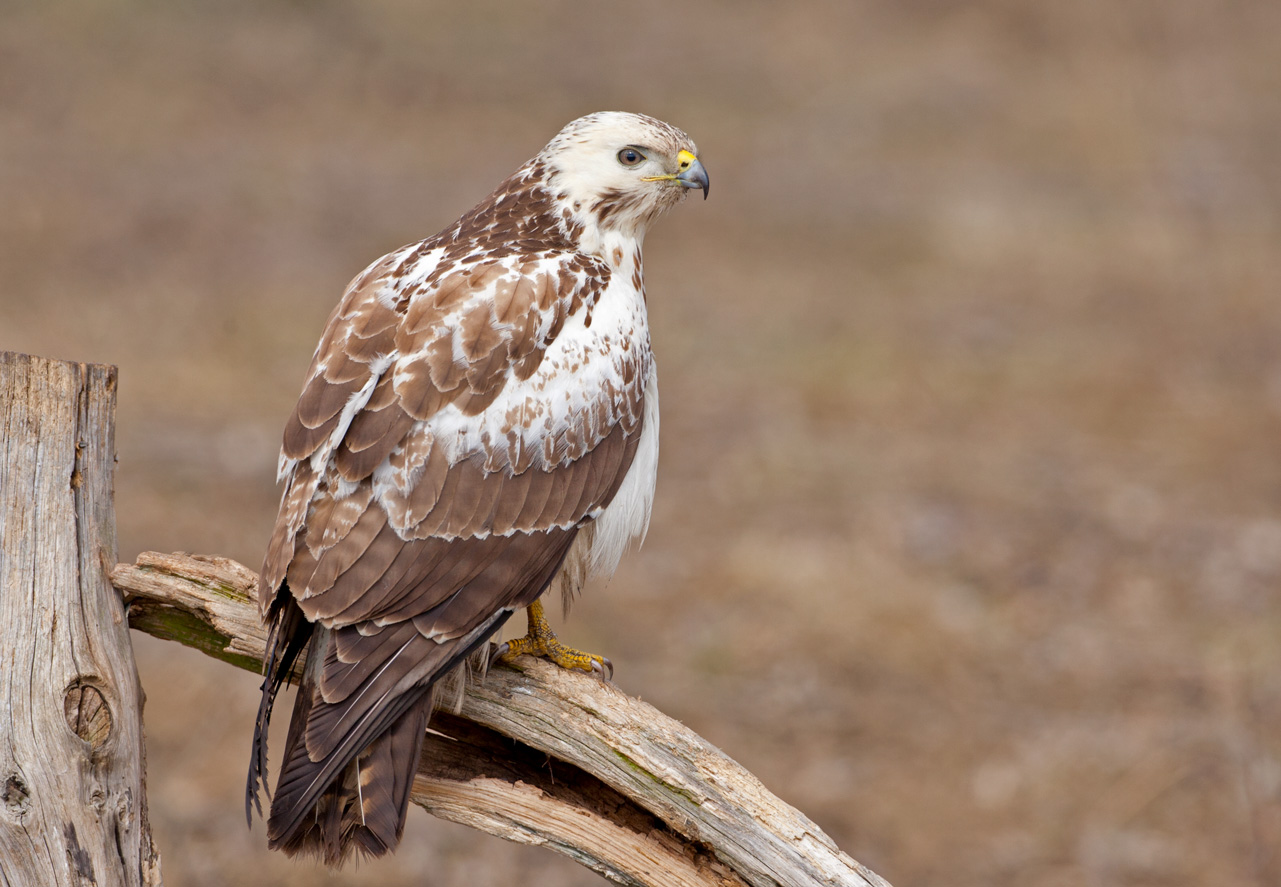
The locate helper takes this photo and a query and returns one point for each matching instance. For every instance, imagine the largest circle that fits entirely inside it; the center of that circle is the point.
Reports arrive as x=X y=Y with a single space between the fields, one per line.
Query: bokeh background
x=968 y=531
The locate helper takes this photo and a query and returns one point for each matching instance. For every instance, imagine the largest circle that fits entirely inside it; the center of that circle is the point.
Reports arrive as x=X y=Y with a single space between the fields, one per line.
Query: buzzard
x=479 y=424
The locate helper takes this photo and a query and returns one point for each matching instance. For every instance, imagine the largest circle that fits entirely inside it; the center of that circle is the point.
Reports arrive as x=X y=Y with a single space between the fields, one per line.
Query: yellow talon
x=540 y=640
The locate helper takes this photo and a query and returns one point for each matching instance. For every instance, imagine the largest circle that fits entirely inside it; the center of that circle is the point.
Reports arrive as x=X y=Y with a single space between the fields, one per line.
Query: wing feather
x=507 y=507
x=336 y=559
x=374 y=432
x=535 y=505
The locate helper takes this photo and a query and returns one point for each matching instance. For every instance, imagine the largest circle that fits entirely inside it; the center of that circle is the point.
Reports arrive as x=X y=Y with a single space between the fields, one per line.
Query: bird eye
x=630 y=157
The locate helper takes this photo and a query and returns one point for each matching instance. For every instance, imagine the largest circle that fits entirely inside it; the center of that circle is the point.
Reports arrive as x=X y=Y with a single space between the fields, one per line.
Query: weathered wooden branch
x=540 y=755
x=72 y=776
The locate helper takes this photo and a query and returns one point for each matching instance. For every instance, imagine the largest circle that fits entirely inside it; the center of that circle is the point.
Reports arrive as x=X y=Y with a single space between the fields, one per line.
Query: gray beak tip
x=695 y=177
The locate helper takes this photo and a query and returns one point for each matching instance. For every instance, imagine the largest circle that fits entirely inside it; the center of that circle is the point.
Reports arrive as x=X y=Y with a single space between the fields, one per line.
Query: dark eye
x=630 y=157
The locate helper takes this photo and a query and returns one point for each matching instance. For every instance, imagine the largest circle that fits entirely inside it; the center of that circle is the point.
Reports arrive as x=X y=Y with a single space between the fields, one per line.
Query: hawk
x=479 y=424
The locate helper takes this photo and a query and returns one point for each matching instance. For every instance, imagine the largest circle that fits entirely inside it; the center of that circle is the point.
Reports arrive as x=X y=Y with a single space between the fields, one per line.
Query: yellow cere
x=685 y=159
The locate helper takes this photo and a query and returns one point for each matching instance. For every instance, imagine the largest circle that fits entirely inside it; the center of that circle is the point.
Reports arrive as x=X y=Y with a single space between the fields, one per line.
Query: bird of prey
x=479 y=424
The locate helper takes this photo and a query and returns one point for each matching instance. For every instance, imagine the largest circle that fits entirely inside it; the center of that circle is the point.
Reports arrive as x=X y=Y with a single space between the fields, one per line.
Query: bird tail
x=350 y=759
x=348 y=768
x=364 y=807
x=354 y=798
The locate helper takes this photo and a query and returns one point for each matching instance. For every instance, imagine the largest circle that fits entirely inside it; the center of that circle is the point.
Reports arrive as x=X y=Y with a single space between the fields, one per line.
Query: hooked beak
x=692 y=174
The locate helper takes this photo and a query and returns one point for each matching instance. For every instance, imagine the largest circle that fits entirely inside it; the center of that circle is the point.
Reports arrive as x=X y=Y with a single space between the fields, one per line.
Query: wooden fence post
x=72 y=773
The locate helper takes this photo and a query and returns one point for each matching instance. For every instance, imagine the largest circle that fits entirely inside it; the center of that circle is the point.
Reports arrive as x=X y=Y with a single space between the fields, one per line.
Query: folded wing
x=458 y=426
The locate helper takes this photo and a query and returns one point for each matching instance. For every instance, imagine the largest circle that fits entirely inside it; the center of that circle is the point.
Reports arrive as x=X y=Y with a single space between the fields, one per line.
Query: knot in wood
x=87 y=713
x=15 y=795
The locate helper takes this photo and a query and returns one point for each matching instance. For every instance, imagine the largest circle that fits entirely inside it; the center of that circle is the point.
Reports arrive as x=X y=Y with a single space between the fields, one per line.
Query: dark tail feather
x=288 y=636
x=386 y=777
x=356 y=797
x=365 y=806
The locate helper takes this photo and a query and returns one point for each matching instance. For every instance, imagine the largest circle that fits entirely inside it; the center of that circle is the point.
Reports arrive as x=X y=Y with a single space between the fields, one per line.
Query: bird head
x=619 y=171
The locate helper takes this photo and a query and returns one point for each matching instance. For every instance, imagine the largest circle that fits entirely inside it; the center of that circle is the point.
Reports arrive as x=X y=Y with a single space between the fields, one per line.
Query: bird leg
x=540 y=640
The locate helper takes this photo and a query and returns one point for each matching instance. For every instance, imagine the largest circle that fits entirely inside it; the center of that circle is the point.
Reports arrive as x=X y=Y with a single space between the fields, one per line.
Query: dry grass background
x=968 y=534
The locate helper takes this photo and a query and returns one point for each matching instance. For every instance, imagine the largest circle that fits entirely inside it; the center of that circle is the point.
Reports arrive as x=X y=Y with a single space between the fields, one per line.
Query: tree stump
x=71 y=769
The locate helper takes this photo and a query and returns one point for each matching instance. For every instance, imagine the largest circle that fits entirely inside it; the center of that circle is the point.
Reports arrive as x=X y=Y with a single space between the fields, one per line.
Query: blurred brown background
x=968 y=532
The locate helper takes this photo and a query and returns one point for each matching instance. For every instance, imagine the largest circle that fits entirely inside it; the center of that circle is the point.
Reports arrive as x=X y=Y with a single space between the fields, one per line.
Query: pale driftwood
x=540 y=755
x=71 y=763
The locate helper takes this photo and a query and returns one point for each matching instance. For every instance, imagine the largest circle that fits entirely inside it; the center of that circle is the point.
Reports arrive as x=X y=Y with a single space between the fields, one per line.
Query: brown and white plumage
x=479 y=420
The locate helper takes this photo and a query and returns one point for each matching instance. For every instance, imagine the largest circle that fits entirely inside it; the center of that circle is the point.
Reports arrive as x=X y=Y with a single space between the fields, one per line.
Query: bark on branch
x=539 y=755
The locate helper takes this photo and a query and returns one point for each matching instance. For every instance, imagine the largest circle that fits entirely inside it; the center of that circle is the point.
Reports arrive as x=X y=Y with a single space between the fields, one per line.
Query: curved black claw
x=601 y=668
